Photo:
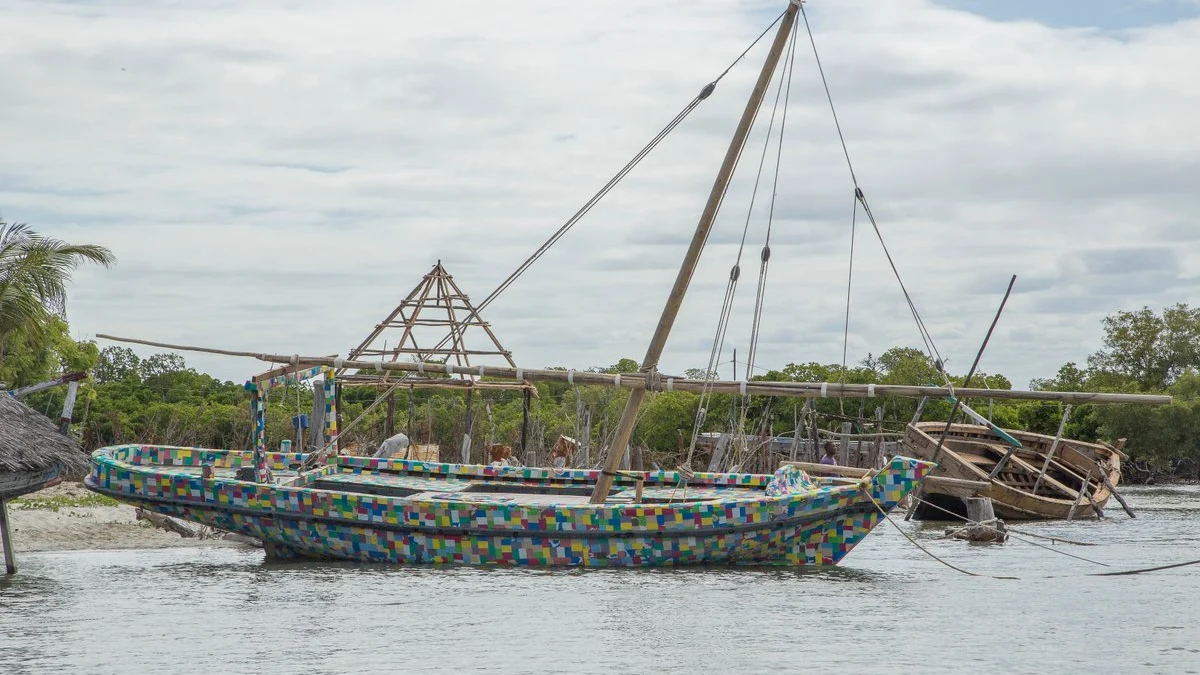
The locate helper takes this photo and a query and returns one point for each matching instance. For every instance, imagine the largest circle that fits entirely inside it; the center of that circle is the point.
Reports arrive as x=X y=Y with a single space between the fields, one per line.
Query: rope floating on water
x=969 y=573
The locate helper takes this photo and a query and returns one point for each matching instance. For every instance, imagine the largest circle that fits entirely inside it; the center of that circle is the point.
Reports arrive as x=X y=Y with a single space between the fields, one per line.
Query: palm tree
x=34 y=270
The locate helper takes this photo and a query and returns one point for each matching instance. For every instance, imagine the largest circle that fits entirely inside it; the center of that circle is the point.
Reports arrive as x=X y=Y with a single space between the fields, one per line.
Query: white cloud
x=250 y=161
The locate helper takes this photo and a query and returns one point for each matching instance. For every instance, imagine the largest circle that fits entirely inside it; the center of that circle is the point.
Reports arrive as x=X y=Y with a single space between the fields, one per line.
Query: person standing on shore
x=829 y=456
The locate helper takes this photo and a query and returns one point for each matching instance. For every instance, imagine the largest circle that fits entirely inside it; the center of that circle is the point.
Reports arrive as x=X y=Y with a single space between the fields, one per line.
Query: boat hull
x=817 y=526
x=15 y=484
x=967 y=454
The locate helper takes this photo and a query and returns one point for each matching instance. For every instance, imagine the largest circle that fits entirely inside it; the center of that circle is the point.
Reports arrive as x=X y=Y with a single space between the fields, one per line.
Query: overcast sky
x=276 y=176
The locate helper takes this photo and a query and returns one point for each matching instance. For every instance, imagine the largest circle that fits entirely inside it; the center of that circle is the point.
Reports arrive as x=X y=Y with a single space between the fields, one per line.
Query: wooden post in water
x=979 y=509
x=6 y=542
x=650 y=363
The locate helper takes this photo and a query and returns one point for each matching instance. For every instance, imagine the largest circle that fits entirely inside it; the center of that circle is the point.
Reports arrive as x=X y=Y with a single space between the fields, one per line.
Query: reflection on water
x=889 y=608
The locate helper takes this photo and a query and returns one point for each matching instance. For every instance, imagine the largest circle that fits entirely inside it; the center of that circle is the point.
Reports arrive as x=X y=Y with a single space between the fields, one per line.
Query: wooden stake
x=466 y=443
x=920 y=408
x=879 y=441
x=412 y=413
x=389 y=425
x=1050 y=454
x=64 y=421
x=525 y=423
x=316 y=427
x=1079 y=496
x=1112 y=489
x=6 y=542
x=690 y=260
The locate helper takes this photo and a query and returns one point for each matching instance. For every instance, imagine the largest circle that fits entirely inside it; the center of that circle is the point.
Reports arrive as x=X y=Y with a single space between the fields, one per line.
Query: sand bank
x=69 y=517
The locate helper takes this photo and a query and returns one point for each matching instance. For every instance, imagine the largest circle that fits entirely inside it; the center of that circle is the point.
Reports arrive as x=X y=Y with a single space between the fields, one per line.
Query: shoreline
x=69 y=517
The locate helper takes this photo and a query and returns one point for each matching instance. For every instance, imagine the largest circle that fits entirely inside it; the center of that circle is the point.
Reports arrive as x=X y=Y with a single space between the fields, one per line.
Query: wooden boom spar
x=655 y=382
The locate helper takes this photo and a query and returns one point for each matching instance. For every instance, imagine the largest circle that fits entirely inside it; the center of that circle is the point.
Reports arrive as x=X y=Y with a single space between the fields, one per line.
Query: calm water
x=888 y=609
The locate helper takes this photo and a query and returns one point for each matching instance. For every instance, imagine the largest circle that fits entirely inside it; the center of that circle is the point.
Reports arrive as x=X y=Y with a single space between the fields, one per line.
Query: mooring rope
x=914 y=542
x=969 y=573
x=1010 y=529
x=612 y=182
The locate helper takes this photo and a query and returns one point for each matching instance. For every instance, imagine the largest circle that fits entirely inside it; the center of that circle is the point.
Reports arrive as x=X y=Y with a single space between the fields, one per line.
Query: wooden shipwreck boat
x=1043 y=478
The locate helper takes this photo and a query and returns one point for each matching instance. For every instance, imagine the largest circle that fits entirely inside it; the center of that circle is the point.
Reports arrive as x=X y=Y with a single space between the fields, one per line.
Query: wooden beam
x=638 y=381
x=64 y=420
x=856 y=472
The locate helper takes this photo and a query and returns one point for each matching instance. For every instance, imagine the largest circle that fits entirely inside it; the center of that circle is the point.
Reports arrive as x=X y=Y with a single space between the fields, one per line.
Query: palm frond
x=34 y=271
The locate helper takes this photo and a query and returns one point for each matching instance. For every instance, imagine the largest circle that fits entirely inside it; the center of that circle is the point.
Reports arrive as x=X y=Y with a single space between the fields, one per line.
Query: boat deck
x=419 y=487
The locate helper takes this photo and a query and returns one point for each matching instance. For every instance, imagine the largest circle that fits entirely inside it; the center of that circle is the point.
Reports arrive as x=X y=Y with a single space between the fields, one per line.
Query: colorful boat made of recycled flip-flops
x=402 y=511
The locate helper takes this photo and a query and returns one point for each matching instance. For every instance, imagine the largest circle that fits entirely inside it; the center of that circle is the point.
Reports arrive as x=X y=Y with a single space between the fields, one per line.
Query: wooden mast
x=616 y=451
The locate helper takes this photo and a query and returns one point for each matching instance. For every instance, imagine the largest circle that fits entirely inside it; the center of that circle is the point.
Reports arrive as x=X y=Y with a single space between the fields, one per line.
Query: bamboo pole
x=857 y=472
x=690 y=260
x=958 y=399
x=638 y=381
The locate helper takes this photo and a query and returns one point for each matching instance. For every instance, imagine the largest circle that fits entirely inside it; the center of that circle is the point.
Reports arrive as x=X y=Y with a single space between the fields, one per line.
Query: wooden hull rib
x=403 y=511
x=971 y=452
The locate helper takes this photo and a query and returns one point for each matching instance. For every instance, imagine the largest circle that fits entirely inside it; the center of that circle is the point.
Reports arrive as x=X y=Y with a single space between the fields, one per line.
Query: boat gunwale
x=833 y=510
x=276 y=500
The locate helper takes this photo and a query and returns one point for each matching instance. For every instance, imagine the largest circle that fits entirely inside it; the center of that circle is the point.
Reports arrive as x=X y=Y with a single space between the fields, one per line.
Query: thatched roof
x=29 y=441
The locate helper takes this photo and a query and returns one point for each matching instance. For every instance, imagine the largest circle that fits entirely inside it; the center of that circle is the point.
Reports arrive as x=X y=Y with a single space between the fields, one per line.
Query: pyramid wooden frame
x=452 y=309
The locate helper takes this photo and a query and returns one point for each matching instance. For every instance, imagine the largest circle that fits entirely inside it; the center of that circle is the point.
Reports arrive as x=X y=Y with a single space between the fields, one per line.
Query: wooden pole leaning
x=617 y=449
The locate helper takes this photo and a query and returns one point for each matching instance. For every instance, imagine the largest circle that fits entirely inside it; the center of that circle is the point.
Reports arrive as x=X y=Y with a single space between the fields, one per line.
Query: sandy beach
x=69 y=517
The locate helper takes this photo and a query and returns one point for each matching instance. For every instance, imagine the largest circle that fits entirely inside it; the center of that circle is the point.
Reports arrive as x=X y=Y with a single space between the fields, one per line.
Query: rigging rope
x=785 y=88
x=1143 y=570
x=735 y=272
x=612 y=182
x=926 y=337
x=849 y=282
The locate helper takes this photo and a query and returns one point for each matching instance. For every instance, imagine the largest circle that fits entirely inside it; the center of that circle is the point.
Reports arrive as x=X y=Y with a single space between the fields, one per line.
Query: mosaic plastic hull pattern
x=817 y=525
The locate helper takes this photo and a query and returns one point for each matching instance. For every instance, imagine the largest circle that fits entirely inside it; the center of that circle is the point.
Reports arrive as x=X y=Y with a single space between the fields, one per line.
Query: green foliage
x=29 y=361
x=54 y=504
x=663 y=417
x=1150 y=349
